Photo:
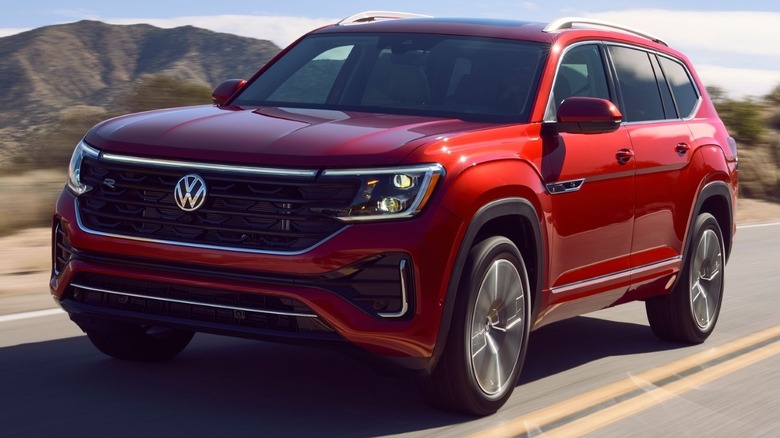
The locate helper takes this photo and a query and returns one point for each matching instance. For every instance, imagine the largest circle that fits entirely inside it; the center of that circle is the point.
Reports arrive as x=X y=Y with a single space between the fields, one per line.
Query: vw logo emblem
x=190 y=192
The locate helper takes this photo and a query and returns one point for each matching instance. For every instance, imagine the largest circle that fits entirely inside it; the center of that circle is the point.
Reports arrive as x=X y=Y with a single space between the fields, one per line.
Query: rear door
x=654 y=114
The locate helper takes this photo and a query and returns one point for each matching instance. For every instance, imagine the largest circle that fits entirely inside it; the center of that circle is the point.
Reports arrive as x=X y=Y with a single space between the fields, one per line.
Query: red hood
x=271 y=136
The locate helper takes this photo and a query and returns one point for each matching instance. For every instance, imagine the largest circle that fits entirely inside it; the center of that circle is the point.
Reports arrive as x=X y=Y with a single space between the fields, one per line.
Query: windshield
x=419 y=74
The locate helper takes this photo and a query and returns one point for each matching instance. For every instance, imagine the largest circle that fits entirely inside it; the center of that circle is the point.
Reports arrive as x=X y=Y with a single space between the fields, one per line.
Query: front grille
x=196 y=304
x=244 y=211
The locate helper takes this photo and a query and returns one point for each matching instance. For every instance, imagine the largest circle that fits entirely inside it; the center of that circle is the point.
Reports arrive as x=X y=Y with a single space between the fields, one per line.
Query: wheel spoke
x=496 y=358
x=701 y=305
x=706 y=279
x=497 y=331
x=481 y=343
x=517 y=316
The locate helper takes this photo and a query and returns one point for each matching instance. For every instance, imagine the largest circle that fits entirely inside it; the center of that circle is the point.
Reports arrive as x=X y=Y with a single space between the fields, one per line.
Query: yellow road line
x=546 y=416
x=658 y=395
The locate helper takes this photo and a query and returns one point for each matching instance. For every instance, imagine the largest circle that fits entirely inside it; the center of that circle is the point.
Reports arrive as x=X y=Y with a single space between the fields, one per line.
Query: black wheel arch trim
x=716 y=189
x=507 y=207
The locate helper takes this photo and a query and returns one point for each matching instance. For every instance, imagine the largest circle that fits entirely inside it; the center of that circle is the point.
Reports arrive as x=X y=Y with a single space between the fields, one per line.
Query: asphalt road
x=602 y=375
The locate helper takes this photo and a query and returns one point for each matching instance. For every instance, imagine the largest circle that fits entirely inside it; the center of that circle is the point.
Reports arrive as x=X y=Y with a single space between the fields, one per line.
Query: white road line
x=29 y=315
x=50 y=312
x=739 y=227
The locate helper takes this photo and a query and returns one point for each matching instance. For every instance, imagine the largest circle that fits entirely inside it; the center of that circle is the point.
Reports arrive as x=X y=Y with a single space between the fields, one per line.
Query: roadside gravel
x=25 y=259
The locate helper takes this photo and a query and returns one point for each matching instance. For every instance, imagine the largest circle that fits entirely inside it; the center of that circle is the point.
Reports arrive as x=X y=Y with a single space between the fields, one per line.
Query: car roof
x=492 y=28
x=564 y=30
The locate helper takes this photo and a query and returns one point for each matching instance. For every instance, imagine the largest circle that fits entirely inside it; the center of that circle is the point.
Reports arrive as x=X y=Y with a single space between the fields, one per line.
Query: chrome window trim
x=687 y=71
x=548 y=112
x=197 y=245
x=197 y=303
x=550 y=107
x=690 y=78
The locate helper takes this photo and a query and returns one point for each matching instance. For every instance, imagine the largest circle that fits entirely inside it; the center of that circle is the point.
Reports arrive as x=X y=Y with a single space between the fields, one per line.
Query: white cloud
x=756 y=33
x=73 y=13
x=739 y=82
x=8 y=31
x=279 y=29
x=738 y=51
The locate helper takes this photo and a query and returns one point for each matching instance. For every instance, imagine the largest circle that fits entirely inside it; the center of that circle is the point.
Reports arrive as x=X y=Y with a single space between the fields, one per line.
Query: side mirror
x=225 y=90
x=588 y=115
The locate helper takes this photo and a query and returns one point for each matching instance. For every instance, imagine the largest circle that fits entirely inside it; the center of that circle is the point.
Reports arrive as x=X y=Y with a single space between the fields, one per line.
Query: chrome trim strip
x=560 y=187
x=197 y=245
x=196 y=303
x=429 y=169
x=404 y=298
x=266 y=171
x=384 y=170
x=628 y=272
x=656 y=265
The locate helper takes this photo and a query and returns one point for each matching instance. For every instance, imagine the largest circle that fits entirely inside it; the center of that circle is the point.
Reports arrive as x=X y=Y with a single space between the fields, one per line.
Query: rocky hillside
x=51 y=69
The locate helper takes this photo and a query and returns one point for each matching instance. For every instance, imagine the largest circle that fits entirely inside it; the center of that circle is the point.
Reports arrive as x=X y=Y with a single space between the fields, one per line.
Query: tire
x=139 y=344
x=688 y=315
x=488 y=338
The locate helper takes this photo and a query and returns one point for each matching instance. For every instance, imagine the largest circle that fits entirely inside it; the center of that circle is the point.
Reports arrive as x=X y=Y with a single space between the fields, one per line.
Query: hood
x=287 y=137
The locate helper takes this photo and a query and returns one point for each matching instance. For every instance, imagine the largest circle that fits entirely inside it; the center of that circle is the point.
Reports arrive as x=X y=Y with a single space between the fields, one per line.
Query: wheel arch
x=715 y=199
x=515 y=219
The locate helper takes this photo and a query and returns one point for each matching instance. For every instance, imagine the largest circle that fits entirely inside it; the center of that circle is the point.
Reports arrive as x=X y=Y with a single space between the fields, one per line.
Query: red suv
x=427 y=190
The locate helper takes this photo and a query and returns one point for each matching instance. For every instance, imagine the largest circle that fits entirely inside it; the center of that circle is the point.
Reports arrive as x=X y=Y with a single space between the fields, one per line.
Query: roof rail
x=568 y=23
x=369 y=16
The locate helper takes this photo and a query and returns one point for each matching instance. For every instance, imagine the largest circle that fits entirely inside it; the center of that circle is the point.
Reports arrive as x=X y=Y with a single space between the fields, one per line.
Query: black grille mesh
x=242 y=211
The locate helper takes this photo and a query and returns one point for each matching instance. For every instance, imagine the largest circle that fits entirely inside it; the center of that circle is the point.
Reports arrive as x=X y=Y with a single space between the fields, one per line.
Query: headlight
x=387 y=193
x=74 y=170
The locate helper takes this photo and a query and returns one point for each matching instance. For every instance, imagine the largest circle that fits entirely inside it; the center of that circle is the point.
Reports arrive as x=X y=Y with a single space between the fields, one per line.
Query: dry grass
x=27 y=200
x=27 y=203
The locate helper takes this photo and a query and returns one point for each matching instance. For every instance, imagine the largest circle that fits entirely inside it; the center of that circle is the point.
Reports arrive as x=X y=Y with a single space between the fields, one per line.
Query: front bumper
x=377 y=286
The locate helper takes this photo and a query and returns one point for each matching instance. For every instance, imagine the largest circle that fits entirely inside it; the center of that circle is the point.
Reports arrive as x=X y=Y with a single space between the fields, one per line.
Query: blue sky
x=734 y=45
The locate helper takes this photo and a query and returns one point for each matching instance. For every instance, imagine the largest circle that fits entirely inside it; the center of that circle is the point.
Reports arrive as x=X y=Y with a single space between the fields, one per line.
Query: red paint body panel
x=270 y=136
x=613 y=209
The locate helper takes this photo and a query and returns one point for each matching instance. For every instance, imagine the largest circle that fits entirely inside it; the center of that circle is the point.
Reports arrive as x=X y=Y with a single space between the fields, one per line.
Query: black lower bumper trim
x=91 y=317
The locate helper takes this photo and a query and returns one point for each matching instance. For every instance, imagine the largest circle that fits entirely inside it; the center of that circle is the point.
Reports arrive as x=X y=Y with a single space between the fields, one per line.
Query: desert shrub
x=155 y=92
x=758 y=174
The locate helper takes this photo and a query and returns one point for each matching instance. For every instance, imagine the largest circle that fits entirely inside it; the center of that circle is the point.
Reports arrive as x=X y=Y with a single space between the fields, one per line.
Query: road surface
x=602 y=375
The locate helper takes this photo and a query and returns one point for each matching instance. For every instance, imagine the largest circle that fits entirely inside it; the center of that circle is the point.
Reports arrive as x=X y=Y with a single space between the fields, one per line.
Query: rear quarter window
x=685 y=94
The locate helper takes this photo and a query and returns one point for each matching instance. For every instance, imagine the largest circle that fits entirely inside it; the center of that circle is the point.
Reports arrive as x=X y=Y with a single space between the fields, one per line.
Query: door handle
x=624 y=156
x=682 y=148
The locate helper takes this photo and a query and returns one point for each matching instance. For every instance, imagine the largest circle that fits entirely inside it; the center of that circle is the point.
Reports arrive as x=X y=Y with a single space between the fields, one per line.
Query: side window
x=666 y=94
x=637 y=84
x=313 y=82
x=581 y=73
x=685 y=94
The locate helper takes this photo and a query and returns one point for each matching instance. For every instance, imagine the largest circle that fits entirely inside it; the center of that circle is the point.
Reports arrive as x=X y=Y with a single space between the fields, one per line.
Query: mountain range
x=47 y=70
